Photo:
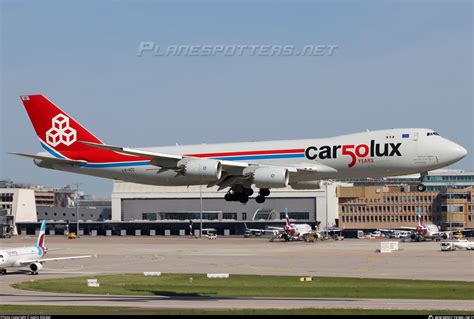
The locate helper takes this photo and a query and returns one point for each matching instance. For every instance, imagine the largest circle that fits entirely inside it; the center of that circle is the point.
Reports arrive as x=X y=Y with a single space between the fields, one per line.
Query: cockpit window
x=432 y=133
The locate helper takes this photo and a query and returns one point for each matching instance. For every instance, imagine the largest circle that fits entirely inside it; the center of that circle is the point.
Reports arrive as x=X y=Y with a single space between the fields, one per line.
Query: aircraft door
x=415 y=136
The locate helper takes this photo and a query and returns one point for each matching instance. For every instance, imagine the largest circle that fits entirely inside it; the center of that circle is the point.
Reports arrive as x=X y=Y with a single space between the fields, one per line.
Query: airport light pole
x=327 y=208
x=77 y=209
x=200 y=215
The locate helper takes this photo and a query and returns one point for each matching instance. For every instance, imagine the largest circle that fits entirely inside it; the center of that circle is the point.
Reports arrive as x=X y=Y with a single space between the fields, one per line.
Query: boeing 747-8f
x=239 y=167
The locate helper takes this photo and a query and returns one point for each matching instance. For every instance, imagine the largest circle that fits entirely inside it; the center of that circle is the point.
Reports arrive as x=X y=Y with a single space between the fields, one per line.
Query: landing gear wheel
x=248 y=191
x=243 y=198
x=260 y=199
x=228 y=197
x=4 y=271
x=421 y=187
x=264 y=192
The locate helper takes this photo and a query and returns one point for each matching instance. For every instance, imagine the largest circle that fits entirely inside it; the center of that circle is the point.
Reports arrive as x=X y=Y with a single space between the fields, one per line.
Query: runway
x=34 y=298
x=348 y=258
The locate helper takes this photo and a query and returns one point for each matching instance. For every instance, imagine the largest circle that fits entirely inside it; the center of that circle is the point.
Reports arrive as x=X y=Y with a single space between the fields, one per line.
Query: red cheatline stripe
x=300 y=150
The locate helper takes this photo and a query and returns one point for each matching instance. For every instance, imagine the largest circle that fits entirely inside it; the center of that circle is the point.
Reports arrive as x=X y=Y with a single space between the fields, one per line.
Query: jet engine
x=269 y=177
x=207 y=170
x=35 y=267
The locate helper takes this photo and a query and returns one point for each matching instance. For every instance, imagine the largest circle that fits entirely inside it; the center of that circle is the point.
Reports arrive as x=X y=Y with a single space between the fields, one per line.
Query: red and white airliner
x=30 y=256
x=301 y=164
x=427 y=231
x=289 y=231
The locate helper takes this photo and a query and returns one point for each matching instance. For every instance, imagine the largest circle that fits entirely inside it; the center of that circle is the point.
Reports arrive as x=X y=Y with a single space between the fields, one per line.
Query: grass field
x=85 y=310
x=257 y=286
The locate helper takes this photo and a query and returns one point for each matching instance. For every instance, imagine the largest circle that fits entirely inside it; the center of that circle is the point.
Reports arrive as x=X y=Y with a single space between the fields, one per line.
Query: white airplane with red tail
x=30 y=256
x=427 y=231
x=289 y=231
x=239 y=167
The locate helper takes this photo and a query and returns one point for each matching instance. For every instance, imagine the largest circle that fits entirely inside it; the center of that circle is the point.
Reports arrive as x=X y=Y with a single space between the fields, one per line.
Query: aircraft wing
x=160 y=159
x=262 y=230
x=407 y=228
x=234 y=171
x=276 y=228
x=53 y=160
x=42 y=260
x=271 y=230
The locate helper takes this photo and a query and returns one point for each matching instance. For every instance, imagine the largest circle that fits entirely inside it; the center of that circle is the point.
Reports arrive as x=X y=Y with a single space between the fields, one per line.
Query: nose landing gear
x=421 y=187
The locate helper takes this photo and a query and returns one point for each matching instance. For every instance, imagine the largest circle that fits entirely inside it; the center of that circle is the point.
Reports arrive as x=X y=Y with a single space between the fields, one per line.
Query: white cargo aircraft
x=301 y=164
x=289 y=231
x=29 y=256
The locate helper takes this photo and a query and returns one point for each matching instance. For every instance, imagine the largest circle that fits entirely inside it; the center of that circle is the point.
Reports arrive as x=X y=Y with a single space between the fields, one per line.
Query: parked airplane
x=289 y=231
x=426 y=231
x=301 y=164
x=31 y=256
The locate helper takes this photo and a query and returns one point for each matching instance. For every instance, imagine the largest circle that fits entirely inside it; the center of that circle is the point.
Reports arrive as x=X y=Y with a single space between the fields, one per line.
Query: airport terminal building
x=133 y=202
x=372 y=207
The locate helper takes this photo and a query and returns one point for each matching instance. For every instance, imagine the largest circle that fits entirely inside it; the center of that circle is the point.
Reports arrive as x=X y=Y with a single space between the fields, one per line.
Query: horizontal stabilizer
x=53 y=160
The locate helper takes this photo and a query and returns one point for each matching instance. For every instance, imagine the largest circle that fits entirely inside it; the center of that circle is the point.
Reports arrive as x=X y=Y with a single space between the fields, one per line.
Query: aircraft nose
x=450 y=152
x=459 y=151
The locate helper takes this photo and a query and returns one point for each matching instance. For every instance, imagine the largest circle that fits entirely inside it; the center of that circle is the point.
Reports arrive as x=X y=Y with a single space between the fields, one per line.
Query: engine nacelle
x=271 y=177
x=206 y=170
x=306 y=185
x=35 y=267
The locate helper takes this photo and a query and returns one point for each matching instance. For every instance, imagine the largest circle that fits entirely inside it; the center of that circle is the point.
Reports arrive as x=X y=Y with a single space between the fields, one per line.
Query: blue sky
x=398 y=64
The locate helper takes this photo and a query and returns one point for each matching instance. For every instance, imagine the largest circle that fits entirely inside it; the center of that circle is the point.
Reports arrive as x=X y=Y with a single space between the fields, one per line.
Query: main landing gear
x=242 y=195
x=239 y=195
x=262 y=194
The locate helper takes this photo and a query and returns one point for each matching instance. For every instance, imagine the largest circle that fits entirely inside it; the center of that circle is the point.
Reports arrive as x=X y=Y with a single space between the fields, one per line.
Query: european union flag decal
x=405 y=135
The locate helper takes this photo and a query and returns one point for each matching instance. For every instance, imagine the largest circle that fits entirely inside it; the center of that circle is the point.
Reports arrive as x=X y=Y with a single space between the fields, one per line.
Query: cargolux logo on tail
x=60 y=132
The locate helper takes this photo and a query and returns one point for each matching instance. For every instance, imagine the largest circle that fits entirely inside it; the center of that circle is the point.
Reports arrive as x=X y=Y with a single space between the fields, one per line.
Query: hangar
x=131 y=202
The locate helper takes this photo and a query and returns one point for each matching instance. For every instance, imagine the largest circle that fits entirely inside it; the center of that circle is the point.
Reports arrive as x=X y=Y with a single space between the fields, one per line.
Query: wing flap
x=316 y=168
